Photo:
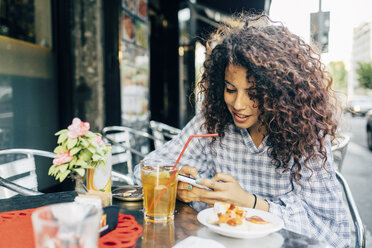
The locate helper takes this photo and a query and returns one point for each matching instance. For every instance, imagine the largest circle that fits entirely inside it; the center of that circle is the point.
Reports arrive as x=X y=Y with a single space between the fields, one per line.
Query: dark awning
x=233 y=6
x=210 y=13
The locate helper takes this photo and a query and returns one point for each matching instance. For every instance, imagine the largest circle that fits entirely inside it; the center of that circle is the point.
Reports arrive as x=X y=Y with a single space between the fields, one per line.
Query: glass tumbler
x=159 y=182
x=66 y=225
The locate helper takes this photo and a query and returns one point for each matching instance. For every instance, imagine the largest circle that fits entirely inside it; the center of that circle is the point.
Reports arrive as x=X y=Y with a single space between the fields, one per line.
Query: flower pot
x=99 y=179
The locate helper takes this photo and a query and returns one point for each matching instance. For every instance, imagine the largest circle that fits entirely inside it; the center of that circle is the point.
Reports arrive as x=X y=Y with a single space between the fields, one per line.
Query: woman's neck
x=257 y=134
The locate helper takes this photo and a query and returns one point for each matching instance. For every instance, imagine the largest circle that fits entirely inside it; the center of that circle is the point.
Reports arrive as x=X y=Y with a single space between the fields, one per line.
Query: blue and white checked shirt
x=317 y=210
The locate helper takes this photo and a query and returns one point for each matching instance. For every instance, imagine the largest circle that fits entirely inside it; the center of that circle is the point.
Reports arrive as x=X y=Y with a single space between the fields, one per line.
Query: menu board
x=134 y=64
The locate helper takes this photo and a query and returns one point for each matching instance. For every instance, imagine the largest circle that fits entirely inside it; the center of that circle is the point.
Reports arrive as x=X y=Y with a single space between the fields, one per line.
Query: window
x=26 y=20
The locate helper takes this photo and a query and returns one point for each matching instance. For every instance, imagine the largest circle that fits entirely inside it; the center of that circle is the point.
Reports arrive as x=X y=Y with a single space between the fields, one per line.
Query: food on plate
x=233 y=216
x=256 y=220
x=256 y=223
x=229 y=216
x=212 y=219
x=219 y=208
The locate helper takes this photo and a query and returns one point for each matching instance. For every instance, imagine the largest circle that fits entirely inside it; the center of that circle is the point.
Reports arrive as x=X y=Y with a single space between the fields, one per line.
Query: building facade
x=111 y=62
x=361 y=52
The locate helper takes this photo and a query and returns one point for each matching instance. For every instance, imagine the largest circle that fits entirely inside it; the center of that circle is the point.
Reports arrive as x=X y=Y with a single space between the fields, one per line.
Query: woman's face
x=243 y=110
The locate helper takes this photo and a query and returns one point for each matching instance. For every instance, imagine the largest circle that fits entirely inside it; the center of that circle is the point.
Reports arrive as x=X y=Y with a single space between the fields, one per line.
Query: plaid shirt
x=316 y=210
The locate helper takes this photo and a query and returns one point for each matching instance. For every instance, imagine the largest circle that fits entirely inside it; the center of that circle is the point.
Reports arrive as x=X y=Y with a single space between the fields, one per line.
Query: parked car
x=358 y=105
x=369 y=129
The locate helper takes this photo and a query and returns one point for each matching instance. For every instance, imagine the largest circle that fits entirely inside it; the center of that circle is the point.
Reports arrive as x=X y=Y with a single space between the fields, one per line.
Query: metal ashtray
x=128 y=193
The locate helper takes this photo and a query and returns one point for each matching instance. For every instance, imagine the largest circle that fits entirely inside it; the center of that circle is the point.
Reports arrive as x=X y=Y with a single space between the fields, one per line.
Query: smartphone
x=191 y=181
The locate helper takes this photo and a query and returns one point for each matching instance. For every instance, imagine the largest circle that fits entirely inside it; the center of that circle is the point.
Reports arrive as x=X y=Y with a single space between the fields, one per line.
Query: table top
x=185 y=224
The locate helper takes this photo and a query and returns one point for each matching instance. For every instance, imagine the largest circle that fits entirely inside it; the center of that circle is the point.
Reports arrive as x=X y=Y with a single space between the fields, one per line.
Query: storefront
x=159 y=53
x=116 y=62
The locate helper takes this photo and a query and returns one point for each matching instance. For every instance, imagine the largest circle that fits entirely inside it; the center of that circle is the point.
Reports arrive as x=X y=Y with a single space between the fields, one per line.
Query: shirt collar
x=249 y=142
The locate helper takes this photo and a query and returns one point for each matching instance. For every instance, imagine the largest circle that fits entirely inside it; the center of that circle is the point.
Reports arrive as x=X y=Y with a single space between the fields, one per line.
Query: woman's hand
x=185 y=191
x=226 y=189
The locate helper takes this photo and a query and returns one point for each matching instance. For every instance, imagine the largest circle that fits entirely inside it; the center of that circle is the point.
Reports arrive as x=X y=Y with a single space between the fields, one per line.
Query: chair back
x=360 y=234
x=18 y=171
x=339 y=149
x=124 y=142
x=162 y=132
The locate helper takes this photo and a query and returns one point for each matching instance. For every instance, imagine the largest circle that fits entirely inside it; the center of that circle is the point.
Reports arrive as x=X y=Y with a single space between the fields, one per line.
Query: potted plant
x=78 y=150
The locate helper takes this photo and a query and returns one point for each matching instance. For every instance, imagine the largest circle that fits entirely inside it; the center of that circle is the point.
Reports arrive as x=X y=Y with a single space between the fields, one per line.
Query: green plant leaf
x=75 y=150
x=90 y=134
x=71 y=143
x=64 y=175
x=91 y=165
x=64 y=147
x=58 y=149
x=92 y=149
x=80 y=171
x=51 y=170
x=62 y=138
x=85 y=155
x=83 y=142
x=61 y=132
x=62 y=168
x=74 y=160
x=81 y=163
x=96 y=164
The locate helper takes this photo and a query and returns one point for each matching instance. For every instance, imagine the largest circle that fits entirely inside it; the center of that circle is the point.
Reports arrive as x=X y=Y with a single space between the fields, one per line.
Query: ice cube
x=160 y=187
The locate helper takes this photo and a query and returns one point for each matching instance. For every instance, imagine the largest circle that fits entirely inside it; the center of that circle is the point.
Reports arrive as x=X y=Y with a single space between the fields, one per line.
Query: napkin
x=94 y=200
x=197 y=242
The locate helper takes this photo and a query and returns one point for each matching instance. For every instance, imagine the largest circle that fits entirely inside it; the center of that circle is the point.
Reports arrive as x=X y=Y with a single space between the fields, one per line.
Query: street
x=357 y=168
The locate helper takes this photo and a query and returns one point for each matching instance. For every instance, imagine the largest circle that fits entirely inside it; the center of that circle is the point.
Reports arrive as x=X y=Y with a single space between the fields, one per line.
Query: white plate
x=276 y=221
x=273 y=240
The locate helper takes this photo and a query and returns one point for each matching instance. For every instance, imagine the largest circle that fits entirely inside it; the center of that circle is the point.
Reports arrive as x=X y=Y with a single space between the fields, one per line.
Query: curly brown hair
x=292 y=88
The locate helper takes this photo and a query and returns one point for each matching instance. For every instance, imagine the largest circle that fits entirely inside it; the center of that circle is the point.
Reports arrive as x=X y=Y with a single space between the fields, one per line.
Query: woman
x=268 y=97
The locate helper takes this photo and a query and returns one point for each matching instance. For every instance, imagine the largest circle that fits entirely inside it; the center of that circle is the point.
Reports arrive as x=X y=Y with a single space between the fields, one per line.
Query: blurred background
x=126 y=62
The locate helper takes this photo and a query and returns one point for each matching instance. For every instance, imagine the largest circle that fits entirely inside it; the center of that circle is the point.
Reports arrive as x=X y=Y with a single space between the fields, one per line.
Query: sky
x=344 y=16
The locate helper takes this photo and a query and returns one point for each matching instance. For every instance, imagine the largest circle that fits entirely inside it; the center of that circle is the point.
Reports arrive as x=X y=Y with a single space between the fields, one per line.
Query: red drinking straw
x=178 y=160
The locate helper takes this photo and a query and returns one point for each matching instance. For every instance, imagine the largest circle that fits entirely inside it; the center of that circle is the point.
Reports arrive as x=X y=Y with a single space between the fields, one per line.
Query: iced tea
x=158 y=235
x=159 y=182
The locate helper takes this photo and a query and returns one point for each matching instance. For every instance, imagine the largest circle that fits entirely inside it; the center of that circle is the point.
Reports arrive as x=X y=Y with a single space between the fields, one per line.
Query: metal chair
x=125 y=142
x=162 y=132
x=339 y=150
x=18 y=172
x=360 y=234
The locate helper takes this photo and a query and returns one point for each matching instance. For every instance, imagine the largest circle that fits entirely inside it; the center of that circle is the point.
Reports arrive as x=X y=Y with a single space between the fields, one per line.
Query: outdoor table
x=185 y=224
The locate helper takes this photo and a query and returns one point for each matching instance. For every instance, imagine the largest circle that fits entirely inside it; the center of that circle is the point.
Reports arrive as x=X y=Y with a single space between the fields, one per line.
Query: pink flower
x=77 y=128
x=62 y=158
x=99 y=141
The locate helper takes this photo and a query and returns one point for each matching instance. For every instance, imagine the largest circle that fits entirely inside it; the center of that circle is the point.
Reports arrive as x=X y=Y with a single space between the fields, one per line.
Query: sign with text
x=319 y=29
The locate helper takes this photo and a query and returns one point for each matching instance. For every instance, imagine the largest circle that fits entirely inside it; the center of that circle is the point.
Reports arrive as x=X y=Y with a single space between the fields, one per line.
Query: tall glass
x=159 y=182
x=66 y=225
x=158 y=235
